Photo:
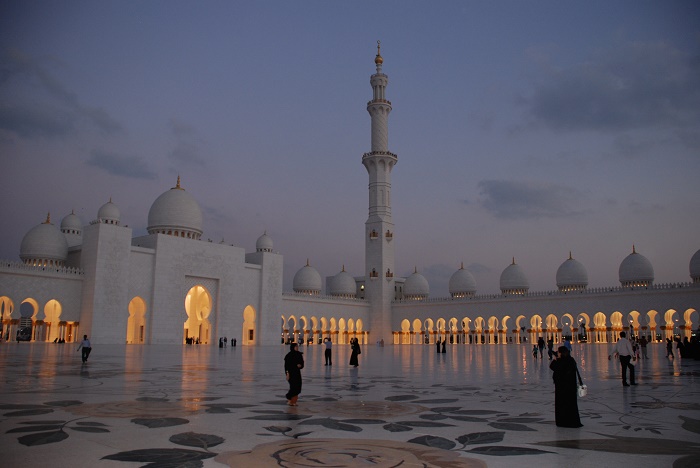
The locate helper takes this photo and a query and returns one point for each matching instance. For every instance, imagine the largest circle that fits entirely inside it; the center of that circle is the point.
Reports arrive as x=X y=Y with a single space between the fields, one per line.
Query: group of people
x=223 y=341
x=294 y=363
x=441 y=346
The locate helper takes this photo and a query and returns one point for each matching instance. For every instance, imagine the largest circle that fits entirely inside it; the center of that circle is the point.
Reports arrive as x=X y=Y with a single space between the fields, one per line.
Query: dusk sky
x=522 y=129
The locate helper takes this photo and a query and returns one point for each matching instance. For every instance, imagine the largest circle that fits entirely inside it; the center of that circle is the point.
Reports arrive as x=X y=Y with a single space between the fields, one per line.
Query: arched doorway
x=52 y=330
x=136 y=324
x=198 y=305
x=248 y=326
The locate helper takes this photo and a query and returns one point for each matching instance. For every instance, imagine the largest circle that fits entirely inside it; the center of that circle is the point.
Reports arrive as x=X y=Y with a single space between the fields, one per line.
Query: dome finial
x=343 y=267
x=461 y=266
x=177 y=185
x=307 y=262
x=415 y=268
x=634 y=251
x=378 y=60
x=570 y=257
x=48 y=218
x=513 y=261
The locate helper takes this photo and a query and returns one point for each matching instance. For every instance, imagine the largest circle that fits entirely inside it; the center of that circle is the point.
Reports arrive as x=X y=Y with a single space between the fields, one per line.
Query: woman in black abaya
x=293 y=364
x=565 y=392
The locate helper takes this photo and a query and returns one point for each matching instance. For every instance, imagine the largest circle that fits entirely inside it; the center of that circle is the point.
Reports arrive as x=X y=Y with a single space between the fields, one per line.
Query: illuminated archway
x=136 y=324
x=52 y=330
x=198 y=306
x=248 y=338
x=6 y=309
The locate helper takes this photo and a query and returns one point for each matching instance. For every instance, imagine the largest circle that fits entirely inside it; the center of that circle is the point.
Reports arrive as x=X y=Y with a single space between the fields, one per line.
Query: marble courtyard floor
x=189 y=406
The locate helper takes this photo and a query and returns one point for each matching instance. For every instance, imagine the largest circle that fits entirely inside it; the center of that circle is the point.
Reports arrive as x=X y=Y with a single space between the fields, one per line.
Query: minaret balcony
x=389 y=275
x=389 y=235
x=378 y=101
x=374 y=235
x=373 y=275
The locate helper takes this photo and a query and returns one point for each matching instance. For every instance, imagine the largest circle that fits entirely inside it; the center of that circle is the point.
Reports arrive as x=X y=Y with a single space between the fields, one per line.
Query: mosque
x=170 y=286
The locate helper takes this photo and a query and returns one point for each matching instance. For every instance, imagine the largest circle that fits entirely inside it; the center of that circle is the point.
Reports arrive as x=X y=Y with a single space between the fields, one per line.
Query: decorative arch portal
x=429 y=332
x=249 y=333
x=535 y=329
x=342 y=338
x=359 y=328
x=334 y=331
x=6 y=309
x=600 y=328
x=553 y=330
x=583 y=327
x=441 y=328
x=405 y=331
x=653 y=325
x=454 y=336
x=198 y=304
x=284 y=330
x=52 y=328
x=567 y=327
x=303 y=330
x=504 y=331
x=136 y=324
x=351 y=329
x=417 y=332
x=28 y=310
x=493 y=330
x=690 y=317
x=315 y=332
x=466 y=337
x=479 y=326
x=633 y=319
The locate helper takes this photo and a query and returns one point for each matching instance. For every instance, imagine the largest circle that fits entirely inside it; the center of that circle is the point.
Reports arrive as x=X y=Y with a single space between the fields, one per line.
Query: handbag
x=581 y=388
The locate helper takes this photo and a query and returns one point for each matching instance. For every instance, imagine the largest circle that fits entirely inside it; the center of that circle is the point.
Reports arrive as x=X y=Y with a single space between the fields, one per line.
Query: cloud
x=125 y=166
x=20 y=75
x=187 y=143
x=634 y=86
x=522 y=200
x=36 y=121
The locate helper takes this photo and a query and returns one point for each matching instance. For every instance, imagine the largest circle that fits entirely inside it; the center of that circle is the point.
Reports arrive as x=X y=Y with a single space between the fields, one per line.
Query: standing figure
x=444 y=343
x=86 y=346
x=540 y=346
x=355 y=351
x=550 y=348
x=565 y=393
x=437 y=343
x=293 y=364
x=623 y=348
x=534 y=351
x=327 y=353
x=234 y=342
x=643 y=345
x=669 y=348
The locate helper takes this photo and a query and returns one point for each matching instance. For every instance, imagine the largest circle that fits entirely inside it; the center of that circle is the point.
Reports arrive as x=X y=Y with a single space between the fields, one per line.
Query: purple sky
x=523 y=129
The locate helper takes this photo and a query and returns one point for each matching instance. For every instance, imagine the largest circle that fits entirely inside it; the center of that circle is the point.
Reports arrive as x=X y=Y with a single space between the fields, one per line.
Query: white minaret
x=379 y=229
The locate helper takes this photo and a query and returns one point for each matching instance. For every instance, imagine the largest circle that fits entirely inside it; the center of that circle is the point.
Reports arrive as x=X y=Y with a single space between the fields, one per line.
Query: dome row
x=635 y=271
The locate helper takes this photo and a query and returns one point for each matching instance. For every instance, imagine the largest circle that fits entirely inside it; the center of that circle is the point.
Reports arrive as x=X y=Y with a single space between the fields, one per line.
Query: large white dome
x=109 y=213
x=572 y=275
x=175 y=213
x=695 y=267
x=514 y=280
x=416 y=287
x=72 y=229
x=264 y=243
x=307 y=281
x=462 y=283
x=44 y=245
x=343 y=284
x=636 y=270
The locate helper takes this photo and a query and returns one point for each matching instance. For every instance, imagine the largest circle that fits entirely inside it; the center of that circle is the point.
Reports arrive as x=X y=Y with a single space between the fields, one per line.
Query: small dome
x=307 y=281
x=108 y=213
x=264 y=243
x=44 y=245
x=462 y=283
x=416 y=287
x=572 y=275
x=695 y=267
x=636 y=271
x=343 y=284
x=514 y=280
x=72 y=229
x=175 y=213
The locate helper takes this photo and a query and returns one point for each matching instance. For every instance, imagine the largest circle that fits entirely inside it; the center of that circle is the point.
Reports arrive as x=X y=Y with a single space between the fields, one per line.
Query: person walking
x=643 y=345
x=550 y=348
x=567 y=344
x=327 y=353
x=293 y=364
x=565 y=389
x=623 y=349
x=669 y=348
x=86 y=347
x=355 y=346
x=540 y=346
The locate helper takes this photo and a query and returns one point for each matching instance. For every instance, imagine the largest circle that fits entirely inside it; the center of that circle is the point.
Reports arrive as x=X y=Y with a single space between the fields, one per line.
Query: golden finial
x=378 y=59
x=307 y=262
x=513 y=261
x=110 y=199
x=461 y=266
x=570 y=257
x=634 y=251
x=343 y=267
x=177 y=185
x=48 y=218
x=415 y=268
